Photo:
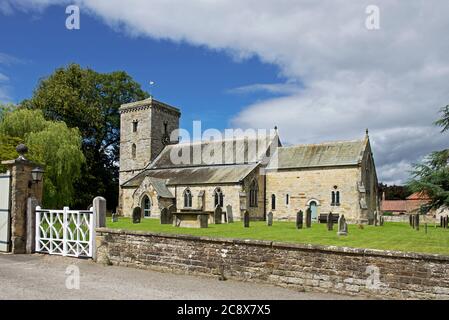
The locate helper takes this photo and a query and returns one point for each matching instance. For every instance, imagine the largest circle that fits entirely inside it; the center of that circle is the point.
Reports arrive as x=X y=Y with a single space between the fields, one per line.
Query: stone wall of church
x=306 y=185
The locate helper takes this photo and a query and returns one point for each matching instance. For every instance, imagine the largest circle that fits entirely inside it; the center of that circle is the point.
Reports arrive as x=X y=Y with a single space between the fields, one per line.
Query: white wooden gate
x=65 y=232
x=5 y=213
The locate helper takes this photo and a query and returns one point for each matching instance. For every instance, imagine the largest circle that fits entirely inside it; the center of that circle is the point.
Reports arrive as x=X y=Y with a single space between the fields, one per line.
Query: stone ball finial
x=21 y=150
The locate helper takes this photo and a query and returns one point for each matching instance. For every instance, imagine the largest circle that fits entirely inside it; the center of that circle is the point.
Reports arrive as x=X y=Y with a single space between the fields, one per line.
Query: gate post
x=31 y=225
x=22 y=187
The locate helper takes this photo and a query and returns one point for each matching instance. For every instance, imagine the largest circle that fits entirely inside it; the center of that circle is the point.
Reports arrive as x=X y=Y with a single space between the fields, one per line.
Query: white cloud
x=392 y=80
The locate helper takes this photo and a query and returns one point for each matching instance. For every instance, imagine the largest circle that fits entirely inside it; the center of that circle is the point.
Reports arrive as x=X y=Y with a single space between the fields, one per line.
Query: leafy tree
x=50 y=143
x=394 y=192
x=432 y=176
x=89 y=101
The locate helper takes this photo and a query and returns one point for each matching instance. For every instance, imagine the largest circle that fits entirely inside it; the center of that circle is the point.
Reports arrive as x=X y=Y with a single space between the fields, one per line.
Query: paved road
x=44 y=277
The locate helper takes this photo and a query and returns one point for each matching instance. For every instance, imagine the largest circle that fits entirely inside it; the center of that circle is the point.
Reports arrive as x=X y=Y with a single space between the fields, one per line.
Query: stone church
x=338 y=177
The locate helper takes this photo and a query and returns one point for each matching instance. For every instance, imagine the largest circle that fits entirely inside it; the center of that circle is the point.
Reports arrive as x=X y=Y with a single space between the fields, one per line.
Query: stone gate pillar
x=22 y=187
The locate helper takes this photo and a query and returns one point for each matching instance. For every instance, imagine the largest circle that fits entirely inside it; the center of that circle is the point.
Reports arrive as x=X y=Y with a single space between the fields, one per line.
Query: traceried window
x=218 y=198
x=133 y=150
x=253 y=190
x=187 y=198
x=273 y=202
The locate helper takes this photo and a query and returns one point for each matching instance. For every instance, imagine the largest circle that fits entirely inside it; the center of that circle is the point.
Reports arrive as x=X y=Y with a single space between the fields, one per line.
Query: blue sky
x=313 y=68
x=195 y=79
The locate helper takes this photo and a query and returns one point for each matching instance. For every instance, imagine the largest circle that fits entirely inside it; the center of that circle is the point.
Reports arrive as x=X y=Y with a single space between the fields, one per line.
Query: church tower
x=145 y=129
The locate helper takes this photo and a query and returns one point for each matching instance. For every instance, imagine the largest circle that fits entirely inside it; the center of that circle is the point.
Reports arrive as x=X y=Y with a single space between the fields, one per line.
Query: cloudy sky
x=310 y=67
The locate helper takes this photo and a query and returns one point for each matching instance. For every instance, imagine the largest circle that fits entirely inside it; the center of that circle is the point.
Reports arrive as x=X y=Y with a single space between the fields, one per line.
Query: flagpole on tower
x=152 y=83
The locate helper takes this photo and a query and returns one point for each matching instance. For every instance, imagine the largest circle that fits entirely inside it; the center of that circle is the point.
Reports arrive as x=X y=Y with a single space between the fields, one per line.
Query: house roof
x=195 y=175
x=419 y=196
x=394 y=205
x=198 y=154
x=339 y=153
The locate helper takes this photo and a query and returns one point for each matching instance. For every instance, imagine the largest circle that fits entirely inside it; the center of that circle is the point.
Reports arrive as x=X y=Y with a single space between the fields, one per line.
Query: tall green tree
x=432 y=176
x=89 y=101
x=50 y=143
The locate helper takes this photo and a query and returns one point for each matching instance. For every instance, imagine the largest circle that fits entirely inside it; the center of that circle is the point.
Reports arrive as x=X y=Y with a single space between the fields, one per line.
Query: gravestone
x=171 y=213
x=270 y=219
x=417 y=222
x=445 y=222
x=441 y=222
x=330 y=222
x=246 y=219
x=342 y=226
x=381 y=221
x=203 y=220
x=114 y=217
x=217 y=214
x=137 y=214
x=299 y=219
x=376 y=218
x=410 y=219
x=165 y=216
x=229 y=213
x=308 y=218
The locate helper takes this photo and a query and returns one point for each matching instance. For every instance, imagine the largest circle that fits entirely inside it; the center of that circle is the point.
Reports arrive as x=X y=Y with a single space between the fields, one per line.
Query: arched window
x=133 y=150
x=146 y=205
x=253 y=190
x=333 y=198
x=337 y=196
x=187 y=199
x=273 y=202
x=287 y=199
x=218 y=198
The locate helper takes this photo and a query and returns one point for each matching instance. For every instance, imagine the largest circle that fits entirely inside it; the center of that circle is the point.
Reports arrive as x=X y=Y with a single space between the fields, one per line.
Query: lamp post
x=37 y=174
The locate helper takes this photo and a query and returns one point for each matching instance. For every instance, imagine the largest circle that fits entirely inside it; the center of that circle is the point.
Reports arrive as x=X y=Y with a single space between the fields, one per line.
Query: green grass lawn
x=392 y=236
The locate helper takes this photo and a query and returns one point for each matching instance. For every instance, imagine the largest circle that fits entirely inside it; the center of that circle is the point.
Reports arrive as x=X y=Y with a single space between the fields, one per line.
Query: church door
x=146 y=205
x=314 y=209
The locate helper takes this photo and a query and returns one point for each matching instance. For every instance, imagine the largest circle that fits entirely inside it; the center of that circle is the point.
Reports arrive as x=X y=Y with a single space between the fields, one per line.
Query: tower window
x=133 y=150
x=135 y=124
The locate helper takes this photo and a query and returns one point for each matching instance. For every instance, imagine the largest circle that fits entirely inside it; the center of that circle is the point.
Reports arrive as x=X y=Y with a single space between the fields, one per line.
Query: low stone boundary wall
x=350 y=271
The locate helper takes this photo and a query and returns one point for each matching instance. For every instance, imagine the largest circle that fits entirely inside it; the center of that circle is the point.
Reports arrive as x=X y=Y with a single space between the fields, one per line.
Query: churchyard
x=391 y=236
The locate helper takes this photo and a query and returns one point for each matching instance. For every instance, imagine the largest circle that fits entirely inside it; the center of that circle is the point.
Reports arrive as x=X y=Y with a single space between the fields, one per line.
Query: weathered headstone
x=115 y=217
x=218 y=214
x=299 y=219
x=165 y=216
x=171 y=213
x=410 y=219
x=308 y=218
x=99 y=206
x=376 y=218
x=441 y=222
x=330 y=222
x=381 y=221
x=137 y=214
x=417 y=221
x=229 y=213
x=445 y=222
x=342 y=226
x=203 y=220
x=246 y=219
x=270 y=219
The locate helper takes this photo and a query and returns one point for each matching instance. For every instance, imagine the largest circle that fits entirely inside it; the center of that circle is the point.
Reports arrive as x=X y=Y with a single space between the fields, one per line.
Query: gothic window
x=218 y=198
x=133 y=150
x=187 y=199
x=253 y=190
x=146 y=204
x=135 y=124
x=273 y=202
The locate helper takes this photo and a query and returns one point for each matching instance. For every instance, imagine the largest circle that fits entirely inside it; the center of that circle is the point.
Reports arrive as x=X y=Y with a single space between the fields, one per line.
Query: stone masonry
x=362 y=272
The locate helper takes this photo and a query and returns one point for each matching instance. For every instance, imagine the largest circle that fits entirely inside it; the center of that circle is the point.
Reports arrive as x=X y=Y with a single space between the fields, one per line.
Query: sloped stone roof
x=160 y=187
x=195 y=175
x=340 y=153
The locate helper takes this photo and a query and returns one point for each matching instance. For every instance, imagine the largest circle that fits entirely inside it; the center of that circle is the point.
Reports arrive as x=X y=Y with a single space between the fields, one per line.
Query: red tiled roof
x=394 y=205
x=418 y=196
